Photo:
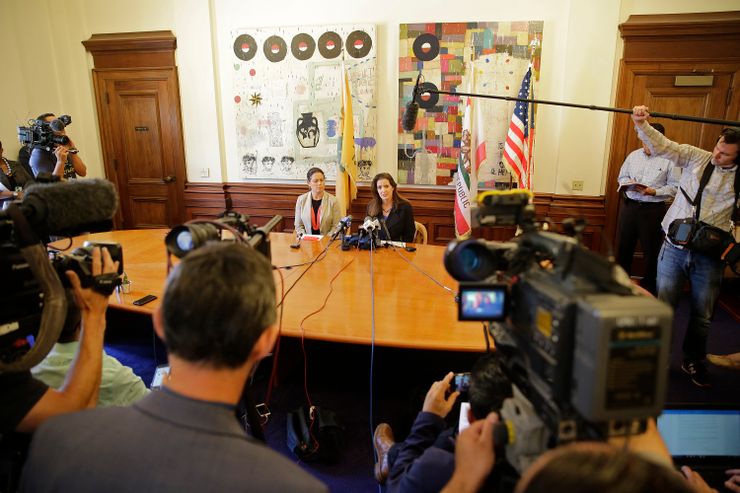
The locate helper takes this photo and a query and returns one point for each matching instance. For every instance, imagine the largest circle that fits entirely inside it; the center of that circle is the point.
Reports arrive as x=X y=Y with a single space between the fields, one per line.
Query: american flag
x=516 y=149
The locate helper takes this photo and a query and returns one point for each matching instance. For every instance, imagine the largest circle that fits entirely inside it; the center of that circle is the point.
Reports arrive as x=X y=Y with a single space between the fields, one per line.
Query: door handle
x=169 y=179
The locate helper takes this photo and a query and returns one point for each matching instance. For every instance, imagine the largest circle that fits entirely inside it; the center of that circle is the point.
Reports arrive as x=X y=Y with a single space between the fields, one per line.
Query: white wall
x=46 y=68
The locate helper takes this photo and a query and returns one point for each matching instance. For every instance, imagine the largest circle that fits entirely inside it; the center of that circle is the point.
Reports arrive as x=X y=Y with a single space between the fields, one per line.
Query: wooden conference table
x=411 y=311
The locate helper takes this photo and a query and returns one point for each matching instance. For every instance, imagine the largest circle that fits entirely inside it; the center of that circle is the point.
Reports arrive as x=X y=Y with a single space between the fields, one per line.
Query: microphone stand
x=672 y=116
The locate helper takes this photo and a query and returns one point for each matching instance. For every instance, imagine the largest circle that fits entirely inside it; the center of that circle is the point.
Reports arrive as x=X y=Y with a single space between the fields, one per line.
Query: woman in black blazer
x=397 y=212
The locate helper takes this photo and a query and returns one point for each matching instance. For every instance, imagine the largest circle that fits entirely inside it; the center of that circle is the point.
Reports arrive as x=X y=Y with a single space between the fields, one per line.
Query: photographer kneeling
x=425 y=461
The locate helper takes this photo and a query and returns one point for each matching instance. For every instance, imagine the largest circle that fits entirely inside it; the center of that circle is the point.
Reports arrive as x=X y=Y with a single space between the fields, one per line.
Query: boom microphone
x=70 y=207
x=408 y=121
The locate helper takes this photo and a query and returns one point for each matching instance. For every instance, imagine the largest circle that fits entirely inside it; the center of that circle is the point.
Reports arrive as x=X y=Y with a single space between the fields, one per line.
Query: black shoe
x=698 y=373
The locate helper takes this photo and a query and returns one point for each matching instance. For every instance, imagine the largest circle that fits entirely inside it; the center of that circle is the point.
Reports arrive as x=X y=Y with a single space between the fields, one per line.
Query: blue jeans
x=675 y=266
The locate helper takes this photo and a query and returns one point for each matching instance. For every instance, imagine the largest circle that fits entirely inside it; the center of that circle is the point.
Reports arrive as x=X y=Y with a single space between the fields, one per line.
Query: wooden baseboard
x=433 y=207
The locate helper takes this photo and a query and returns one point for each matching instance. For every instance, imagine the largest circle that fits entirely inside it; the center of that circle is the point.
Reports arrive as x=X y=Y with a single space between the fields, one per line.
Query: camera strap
x=696 y=201
x=706 y=175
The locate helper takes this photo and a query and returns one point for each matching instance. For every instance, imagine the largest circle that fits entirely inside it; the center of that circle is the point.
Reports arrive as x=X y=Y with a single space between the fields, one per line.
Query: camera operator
x=26 y=401
x=119 y=385
x=713 y=204
x=13 y=178
x=63 y=162
x=217 y=320
x=425 y=460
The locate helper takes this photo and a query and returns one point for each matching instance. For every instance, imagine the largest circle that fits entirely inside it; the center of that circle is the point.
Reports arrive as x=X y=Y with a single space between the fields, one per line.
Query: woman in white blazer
x=316 y=211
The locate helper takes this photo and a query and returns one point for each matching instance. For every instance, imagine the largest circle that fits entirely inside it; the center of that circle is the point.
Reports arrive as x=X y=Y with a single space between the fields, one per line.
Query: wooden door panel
x=658 y=92
x=149 y=212
x=143 y=148
x=142 y=140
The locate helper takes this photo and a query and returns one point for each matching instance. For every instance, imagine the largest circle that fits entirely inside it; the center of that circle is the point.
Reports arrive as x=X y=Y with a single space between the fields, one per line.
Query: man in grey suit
x=217 y=320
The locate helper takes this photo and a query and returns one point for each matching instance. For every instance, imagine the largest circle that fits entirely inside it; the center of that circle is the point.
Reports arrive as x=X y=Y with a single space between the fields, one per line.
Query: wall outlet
x=205 y=172
x=577 y=185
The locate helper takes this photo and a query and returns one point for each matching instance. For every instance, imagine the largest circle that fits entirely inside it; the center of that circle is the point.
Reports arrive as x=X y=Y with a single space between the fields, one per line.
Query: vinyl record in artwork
x=359 y=44
x=275 y=48
x=426 y=47
x=330 y=45
x=245 y=47
x=431 y=99
x=303 y=46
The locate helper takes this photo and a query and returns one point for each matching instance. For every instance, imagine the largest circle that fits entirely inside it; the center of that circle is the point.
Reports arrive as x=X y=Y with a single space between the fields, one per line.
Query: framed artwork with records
x=473 y=57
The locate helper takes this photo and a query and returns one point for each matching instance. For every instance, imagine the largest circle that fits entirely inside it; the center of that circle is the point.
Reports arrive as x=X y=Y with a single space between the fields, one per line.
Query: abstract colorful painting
x=287 y=99
x=450 y=56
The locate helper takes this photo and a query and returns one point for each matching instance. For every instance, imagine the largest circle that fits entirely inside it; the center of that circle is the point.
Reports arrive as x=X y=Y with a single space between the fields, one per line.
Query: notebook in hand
x=705 y=438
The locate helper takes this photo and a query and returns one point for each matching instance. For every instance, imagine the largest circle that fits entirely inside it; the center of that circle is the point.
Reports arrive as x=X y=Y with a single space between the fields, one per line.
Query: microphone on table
x=71 y=207
x=371 y=224
x=408 y=121
x=369 y=229
x=342 y=226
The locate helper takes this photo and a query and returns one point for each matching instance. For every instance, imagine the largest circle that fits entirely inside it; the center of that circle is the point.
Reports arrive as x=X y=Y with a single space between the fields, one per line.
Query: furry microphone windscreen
x=70 y=205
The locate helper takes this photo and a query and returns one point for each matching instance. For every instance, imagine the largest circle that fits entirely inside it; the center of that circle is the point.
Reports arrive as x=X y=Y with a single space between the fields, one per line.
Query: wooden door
x=659 y=51
x=140 y=125
x=658 y=92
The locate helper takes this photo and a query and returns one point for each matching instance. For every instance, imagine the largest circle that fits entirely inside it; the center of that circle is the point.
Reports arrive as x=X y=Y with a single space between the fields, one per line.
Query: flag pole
x=532 y=114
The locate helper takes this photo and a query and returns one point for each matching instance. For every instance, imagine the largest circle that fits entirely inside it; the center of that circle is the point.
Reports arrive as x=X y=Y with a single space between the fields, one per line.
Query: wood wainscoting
x=433 y=207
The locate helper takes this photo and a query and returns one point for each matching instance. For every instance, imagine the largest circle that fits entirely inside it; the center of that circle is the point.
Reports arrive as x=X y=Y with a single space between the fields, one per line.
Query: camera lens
x=57 y=125
x=470 y=260
x=182 y=239
x=60 y=139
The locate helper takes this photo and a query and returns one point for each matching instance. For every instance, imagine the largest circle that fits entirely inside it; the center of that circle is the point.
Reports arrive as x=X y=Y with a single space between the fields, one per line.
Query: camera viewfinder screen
x=482 y=302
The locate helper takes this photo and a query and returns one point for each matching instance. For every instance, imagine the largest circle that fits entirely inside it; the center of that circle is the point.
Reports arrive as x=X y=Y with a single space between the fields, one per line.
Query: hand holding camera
x=89 y=299
x=61 y=152
x=437 y=400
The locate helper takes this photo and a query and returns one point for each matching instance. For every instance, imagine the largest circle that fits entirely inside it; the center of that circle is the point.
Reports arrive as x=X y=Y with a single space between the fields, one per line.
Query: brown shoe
x=383 y=440
x=731 y=361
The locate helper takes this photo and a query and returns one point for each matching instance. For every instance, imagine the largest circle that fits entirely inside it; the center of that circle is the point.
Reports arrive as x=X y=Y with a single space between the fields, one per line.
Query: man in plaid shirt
x=677 y=264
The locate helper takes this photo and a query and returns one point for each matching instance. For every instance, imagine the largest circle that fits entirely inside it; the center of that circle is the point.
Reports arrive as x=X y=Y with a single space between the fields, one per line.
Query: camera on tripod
x=586 y=351
x=40 y=134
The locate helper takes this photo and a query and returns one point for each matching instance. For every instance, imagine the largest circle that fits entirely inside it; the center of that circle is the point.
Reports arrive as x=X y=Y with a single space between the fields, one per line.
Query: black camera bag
x=316 y=437
x=675 y=231
x=704 y=238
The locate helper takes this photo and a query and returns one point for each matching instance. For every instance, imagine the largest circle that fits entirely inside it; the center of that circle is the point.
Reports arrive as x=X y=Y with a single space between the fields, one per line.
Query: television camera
x=185 y=238
x=33 y=302
x=586 y=351
x=40 y=134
